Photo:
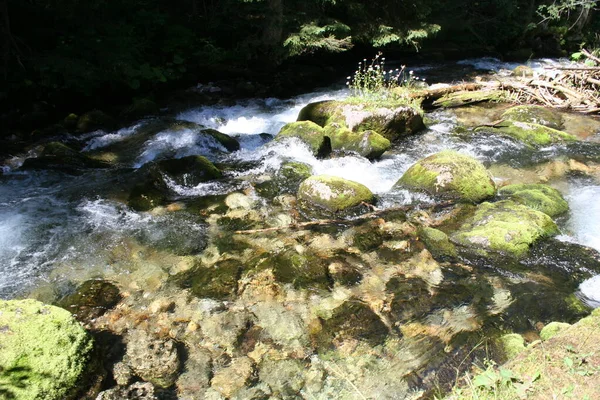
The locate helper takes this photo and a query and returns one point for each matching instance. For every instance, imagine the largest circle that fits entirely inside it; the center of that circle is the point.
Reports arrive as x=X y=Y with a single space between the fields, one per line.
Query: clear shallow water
x=49 y=219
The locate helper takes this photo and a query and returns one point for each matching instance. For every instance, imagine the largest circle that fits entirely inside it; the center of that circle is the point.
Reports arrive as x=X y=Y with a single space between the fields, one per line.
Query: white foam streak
x=103 y=139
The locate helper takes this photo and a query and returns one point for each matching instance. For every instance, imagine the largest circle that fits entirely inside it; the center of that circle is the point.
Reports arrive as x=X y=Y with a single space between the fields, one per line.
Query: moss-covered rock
x=44 y=352
x=391 y=120
x=190 y=171
x=290 y=176
x=467 y=97
x=300 y=270
x=537 y=196
x=70 y=121
x=218 y=282
x=331 y=195
x=552 y=329
x=437 y=242
x=146 y=196
x=523 y=71
x=504 y=227
x=510 y=345
x=368 y=144
x=534 y=115
x=56 y=155
x=309 y=133
x=227 y=141
x=529 y=133
x=94 y=120
x=450 y=175
x=91 y=299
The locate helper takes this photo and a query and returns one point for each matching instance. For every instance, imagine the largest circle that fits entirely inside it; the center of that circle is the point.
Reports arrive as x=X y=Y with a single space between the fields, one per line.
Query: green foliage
x=333 y=38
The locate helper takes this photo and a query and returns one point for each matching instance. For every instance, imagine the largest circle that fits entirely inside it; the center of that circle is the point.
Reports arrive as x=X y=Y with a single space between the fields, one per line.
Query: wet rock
x=411 y=298
x=344 y=273
x=237 y=201
x=534 y=115
x=190 y=171
x=153 y=359
x=225 y=328
x=324 y=194
x=537 y=196
x=56 y=155
x=368 y=144
x=92 y=299
x=94 y=120
x=282 y=325
x=197 y=371
x=44 y=352
x=510 y=345
x=450 y=175
x=504 y=227
x=136 y=391
x=141 y=108
x=523 y=71
x=353 y=320
x=230 y=380
x=300 y=270
x=390 y=120
x=291 y=174
x=552 y=329
x=122 y=373
x=535 y=135
x=148 y=195
x=309 y=133
x=227 y=141
x=285 y=377
x=437 y=242
x=218 y=282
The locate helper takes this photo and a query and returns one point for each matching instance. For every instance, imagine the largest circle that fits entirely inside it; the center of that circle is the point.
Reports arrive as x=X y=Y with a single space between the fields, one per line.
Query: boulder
x=309 y=133
x=552 y=329
x=537 y=196
x=153 y=359
x=227 y=141
x=44 y=351
x=390 y=120
x=437 y=242
x=368 y=144
x=504 y=227
x=450 y=175
x=523 y=71
x=331 y=195
x=534 y=115
x=94 y=120
x=190 y=171
x=510 y=345
x=59 y=156
x=532 y=134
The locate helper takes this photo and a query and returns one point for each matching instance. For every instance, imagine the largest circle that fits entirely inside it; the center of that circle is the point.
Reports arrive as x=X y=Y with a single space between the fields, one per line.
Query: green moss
x=321 y=113
x=308 y=132
x=227 y=141
x=504 y=227
x=529 y=133
x=368 y=144
x=534 y=115
x=511 y=345
x=299 y=270
x=459 y=99
x=44 y=352
x=449 y=174
x=190 y=171
x=332 y=194
x=437 y=242
x=552 y=329
x=537 y=196
x=218 y=282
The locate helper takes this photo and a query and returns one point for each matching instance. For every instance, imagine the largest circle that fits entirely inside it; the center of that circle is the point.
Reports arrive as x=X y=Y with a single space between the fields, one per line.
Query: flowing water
x=58 y=230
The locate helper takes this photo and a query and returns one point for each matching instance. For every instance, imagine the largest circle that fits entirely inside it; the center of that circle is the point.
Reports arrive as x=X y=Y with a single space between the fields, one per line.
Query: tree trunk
x=273 y=30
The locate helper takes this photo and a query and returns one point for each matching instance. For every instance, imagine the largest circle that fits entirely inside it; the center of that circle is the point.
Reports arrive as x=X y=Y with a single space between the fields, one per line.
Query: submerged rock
x=504 y=227
x=534 y=115
x=450 y=175
x=56 y=155
x=537 y=196
x=44 y=352
x=92 y=299
x=219 y=282
x=230 y=380
x=331 y=195
x=153 y=359
x=309 y=133
x=190 y=171
x=437 y=242
x=285 y=377
x=530 y=133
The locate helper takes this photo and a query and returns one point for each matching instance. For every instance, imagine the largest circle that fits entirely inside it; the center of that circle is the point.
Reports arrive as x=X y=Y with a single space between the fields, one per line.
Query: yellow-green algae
x=452 y=175
x=537 y=196
x=504 y=227
x=44 y=352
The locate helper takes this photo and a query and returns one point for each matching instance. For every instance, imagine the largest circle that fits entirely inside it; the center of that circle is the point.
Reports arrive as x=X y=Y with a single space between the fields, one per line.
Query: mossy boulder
x=44 y=351
x=219 y=282
x=523 y=71
x=309 y=133
x=94 y=120
x=534 y=115
x=537 y=196
x=436 y=242
x=56 y=155
x=190 y=171
x=450 y=175
x=504 y=227
x=510 y=345
x=227 y=141
x=468 y=97
x=290 y=176
x=141 y=108
x=368 y=144
x=332 y=195
x=552 y=329
x=532 y=134
x=391 y=120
